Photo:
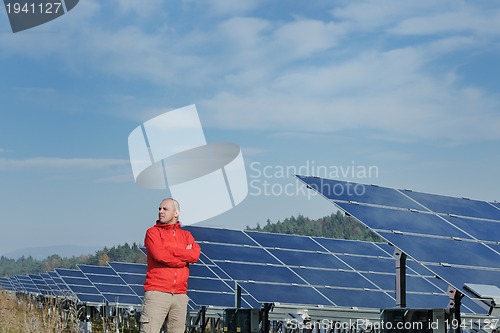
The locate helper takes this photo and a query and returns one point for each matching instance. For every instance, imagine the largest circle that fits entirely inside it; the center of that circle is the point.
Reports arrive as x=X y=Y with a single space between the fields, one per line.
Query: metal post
x=237 y=295
x=400 y=278
x=454 y=306
x=266 y=328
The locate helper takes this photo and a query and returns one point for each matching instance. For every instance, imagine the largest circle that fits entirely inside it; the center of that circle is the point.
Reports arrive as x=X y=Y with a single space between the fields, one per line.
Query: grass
x=28 y=314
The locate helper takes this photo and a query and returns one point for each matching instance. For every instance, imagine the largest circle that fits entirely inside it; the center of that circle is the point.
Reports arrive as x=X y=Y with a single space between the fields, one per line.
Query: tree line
x=334 y=226
x=29 y=265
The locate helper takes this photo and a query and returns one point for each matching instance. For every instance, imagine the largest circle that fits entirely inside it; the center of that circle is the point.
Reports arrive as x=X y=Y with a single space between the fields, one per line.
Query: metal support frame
x=454 y=306
x=266 y=325
x=200 y=320
x=237 y=295
x=400 y=278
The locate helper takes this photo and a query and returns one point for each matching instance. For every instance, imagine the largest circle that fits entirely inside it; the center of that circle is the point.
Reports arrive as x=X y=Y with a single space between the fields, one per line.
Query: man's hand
x=189 y=246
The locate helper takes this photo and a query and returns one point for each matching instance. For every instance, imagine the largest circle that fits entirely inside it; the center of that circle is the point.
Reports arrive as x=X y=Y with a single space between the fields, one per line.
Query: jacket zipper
x=175 y=274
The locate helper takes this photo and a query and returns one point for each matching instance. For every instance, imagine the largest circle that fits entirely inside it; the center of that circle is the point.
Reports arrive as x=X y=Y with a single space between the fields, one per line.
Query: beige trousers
x=159 y=306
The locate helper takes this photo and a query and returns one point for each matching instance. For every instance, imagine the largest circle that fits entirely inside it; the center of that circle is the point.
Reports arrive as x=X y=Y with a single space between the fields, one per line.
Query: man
x=170 y=250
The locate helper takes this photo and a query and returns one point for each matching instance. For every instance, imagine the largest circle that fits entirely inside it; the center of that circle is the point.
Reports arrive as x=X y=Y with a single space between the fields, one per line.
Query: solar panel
x=352 y=192
x=6 y=284
x=16 y=284
x=54 y=289
x=402 y=220
x=63 y=288
x=41 y=284
x=28 y=284
x=132 y=274
x=285 y=293
x=111 y=285
x=320 y=271
x=458 y=206
x=456 y=239
x=81 y=286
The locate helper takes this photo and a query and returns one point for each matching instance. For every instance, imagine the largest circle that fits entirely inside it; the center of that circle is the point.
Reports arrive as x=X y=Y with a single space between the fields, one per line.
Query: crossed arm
x=170 y=256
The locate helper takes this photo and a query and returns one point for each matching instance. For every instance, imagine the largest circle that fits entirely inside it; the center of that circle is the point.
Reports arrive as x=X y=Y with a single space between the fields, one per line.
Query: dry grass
x=27 y=315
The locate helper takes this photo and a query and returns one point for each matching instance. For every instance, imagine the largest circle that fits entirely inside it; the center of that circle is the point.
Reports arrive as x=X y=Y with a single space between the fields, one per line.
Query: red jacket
x=168 y=258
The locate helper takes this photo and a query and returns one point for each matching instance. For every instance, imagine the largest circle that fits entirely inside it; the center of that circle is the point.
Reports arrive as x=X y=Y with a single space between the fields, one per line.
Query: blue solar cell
x=133 y=278
x=201 y=270
x=76 y=281
x=204 y=284
x=419 y=284
x=405 y=221
x=224 y=236
x=469 y=306
x=114 y=289
x=84 y=289
x=439 y=250
x=237 y=253
x=322 y=277
x=479 y=229
x=249 y=272
x=95 y=299
x=358 y=298
x=70 y=272
x=458 y=277
x=457 y=206
x=351 y=247
x=426 y=301
x=383 y=281
x=285 y=241
x=308 y=259
x=124 y=267
x=212 y=299
x=218 y=272
x=373 y=264
x=109 y=279
x=92 y=269
x=269 y=293
x=414 y=267
x=138 y=290
x=369 y=194
x=388 y=249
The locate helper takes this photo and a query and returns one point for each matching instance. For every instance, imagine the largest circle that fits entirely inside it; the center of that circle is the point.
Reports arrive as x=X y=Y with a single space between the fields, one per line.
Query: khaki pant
x=158 y=306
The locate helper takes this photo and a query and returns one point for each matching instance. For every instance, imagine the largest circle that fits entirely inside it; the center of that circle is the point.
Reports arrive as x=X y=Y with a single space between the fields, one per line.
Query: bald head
x=169 y=211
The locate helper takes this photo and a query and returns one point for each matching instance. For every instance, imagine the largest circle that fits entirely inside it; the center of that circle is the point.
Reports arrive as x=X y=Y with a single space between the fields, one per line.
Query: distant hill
x=43 y=252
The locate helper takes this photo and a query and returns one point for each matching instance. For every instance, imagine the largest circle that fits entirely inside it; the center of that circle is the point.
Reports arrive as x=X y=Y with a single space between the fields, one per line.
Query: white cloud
x=304 y=73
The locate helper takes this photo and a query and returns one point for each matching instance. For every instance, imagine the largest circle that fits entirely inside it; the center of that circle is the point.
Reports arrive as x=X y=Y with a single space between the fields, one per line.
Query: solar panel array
x=266 y=268
x=275 y=268
x=455 y=238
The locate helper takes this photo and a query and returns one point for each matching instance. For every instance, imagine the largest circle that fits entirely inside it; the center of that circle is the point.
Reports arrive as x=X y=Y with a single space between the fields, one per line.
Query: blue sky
x=408 y=90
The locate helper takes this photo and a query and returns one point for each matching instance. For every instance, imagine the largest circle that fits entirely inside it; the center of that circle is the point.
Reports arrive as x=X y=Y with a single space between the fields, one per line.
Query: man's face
x=166 y=212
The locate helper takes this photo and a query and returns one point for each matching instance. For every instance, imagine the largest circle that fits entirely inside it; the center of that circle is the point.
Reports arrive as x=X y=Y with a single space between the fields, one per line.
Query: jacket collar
x=173 y=226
